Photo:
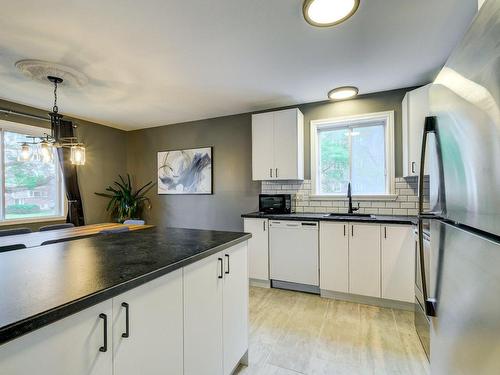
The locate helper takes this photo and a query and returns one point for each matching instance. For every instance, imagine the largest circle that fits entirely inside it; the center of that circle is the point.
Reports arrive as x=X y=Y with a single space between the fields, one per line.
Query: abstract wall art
x=185 y=171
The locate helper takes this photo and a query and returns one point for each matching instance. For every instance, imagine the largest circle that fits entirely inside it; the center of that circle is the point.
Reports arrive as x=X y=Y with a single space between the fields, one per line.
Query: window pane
x=30 y=186
x=333 y=161
x=368 y=160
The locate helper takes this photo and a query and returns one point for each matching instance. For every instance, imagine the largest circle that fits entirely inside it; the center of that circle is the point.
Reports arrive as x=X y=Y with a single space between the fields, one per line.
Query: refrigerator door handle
x=429 y=127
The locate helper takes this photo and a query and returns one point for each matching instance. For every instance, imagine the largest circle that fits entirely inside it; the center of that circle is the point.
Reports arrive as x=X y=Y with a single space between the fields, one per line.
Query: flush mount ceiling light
x=325 y=13
x=343 y=93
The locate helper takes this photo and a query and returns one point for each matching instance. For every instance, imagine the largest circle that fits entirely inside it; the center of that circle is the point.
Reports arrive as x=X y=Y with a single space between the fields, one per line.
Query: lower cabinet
x=398 y=263
x=147 y=328
x=216 y=307
x=364 y=259
x=334 y=256
x=191 y=321
x=79 y=344
x=258 y=248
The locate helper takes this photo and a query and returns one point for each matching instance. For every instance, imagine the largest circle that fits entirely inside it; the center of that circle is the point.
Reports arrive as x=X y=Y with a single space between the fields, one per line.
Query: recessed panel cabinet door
x=151 y=342
x=398 y=262
x=258 y=248
x=263 y=146
x=235 y=306
x=203 y=287
x=364 y=259
x=334 y=257
x=69 y=346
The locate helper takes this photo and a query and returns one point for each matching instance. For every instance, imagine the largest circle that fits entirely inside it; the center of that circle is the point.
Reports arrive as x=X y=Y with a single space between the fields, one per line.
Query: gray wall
x=106 y=158
x=234 y=190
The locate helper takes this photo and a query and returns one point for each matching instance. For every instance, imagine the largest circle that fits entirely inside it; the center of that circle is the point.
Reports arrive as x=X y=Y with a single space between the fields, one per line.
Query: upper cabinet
x=278 y=145
x=415 y=110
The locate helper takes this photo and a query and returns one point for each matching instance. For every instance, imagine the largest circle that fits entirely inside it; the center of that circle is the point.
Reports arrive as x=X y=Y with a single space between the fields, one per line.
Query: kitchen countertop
x=383 y=219
x=41 y=285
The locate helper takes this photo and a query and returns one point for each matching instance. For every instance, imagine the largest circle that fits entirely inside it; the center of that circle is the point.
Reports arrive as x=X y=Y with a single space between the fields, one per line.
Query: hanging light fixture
x=45 y=145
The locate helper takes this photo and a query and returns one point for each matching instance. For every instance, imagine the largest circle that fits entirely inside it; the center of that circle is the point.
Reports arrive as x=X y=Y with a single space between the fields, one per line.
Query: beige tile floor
x=296 y=333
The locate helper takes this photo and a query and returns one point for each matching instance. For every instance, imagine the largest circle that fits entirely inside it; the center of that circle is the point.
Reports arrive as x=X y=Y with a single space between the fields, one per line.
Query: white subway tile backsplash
x=404 y=204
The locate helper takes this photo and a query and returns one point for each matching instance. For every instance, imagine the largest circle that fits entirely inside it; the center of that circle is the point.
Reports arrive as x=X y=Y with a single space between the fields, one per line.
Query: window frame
x=343 y=122
x=35 y=131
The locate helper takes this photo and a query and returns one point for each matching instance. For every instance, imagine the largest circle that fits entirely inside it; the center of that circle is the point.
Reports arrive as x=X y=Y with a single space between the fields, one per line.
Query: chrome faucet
x=349 y=195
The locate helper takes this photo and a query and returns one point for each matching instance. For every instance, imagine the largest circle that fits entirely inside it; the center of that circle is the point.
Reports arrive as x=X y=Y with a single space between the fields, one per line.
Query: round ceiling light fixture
x=326 y=13
x=343 y=93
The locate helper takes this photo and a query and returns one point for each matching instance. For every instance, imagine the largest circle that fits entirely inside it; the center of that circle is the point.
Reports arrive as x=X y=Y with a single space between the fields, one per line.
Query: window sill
x=383 y=197
x=32 y=220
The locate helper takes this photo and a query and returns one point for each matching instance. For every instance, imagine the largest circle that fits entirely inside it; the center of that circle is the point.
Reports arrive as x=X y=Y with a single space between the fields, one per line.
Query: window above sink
x=359 y=149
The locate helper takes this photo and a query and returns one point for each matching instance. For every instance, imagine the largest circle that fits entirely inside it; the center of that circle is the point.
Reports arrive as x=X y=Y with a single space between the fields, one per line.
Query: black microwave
x=275 y=203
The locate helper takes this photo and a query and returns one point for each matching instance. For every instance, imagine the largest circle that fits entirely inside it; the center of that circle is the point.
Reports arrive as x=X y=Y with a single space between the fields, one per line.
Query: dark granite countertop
x=38 y=285
x=383 y=219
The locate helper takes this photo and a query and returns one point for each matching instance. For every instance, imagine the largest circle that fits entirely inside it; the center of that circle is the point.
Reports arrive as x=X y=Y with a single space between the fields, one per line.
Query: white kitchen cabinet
x=334 y=256
x=235 y=306
x=278 y=145
x=263 y=146
x=69 y=346
x=364 y=259
x=258 y=248
x=216 y=312
x=398 y=263
x=152 y=342
x=203 y=288
x=415 y=108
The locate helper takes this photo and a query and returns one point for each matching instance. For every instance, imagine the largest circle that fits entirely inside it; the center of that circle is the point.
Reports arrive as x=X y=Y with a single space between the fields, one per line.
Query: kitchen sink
x=343 y=214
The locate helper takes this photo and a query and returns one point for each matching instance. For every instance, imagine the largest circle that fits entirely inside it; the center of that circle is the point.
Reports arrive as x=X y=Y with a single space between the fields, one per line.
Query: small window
x=32 y=189
x=358 y=150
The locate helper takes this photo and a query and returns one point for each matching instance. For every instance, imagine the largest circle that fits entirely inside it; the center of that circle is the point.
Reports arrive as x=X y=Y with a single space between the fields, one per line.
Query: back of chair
x=56 y=226
x=134 y=222
x=68 y=239
x=12 y=247
x=14 y=231
x=114 y=230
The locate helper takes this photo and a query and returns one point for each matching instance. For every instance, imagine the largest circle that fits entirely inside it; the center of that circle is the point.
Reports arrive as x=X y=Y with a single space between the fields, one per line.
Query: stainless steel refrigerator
x=462 y=279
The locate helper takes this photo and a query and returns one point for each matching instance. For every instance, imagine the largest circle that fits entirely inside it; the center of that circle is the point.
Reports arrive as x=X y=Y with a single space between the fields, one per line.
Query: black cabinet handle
x=352 y=230
x=221 y=275
x=264 y=225
x=127 y=320
x=412 y=167
x=344 y=230
x=104 y=348
x=270 y=172
x=276 y=172
x=227 y=270
x=385 y=232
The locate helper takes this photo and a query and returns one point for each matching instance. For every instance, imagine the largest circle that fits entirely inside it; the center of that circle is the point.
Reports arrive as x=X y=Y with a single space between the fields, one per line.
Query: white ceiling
x=158 y=62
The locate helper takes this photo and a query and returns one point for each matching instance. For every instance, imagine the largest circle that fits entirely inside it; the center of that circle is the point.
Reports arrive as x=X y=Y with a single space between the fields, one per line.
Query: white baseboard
x=381 y=302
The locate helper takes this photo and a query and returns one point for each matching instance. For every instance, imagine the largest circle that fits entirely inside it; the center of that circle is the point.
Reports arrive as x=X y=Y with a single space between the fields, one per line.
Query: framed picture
x=185 y=171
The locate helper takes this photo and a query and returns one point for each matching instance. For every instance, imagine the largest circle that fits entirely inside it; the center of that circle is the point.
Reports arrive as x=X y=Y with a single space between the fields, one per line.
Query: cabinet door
x=235 y=306
x=364 y=259
x=418 y=109
x=398 y=262
x=69 y=346
x=203 y=286
x=262 y=146
x=334 y=257
x=258 y=248
x=154 y=343
x=288 y=133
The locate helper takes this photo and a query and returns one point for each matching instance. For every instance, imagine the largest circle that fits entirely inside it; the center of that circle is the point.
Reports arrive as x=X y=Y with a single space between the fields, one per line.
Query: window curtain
x=75 y=209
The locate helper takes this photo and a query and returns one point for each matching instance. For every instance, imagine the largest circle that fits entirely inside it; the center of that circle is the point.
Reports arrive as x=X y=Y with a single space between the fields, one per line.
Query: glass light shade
x=46 y=151
x=342 y=93
x=24 y=153
x=324 y=13
x=78 y=154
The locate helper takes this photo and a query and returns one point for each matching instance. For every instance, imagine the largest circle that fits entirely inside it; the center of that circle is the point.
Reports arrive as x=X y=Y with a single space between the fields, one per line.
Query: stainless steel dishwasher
x=293 y=249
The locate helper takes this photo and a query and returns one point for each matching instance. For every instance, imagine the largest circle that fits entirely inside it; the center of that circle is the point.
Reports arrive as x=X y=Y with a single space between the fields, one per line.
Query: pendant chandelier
x=42 y=148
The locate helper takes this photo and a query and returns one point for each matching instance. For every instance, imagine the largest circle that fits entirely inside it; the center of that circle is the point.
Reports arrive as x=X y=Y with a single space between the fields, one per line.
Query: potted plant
x=124 y=203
